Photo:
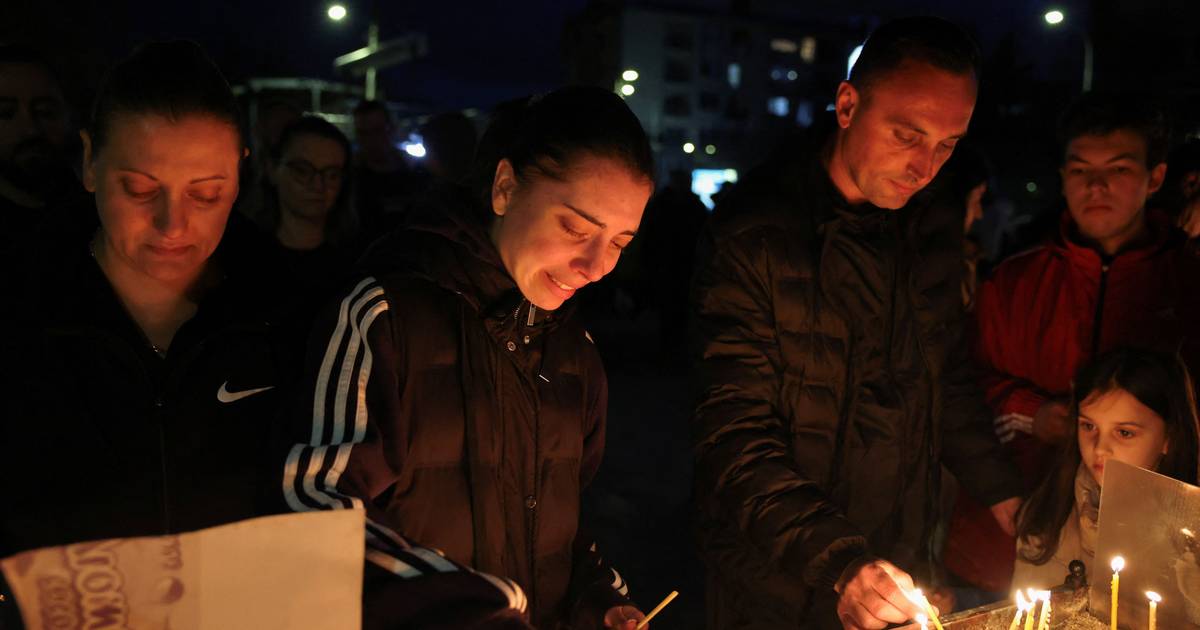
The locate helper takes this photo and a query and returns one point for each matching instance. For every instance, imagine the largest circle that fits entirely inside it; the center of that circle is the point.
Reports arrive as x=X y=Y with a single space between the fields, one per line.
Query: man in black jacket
x=834 y=383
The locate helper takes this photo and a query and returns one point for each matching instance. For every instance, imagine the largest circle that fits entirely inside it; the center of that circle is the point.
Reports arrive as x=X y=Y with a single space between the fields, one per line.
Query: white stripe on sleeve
x=391 y=564
x=335 y=341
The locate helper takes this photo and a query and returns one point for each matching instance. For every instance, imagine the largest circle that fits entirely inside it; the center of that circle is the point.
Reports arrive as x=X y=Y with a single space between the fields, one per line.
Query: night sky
x=480 y=52
x=479 y=55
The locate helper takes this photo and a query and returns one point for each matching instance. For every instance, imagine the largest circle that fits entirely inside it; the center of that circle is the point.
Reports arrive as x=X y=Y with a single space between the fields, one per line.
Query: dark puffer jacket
x=833 y=383
x=103 y=438
x=462 y=417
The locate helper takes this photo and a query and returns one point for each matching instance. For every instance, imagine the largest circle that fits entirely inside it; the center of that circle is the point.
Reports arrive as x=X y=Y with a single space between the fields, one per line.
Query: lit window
x=804 y=113
x=808 y=49
x=706 y=182
x=778 y=105
x=783 y=45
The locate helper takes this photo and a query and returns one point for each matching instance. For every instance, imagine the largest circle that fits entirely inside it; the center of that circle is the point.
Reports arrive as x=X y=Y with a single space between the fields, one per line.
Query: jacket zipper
x=164 y=487
x=1098 y=319
x=536 y=473
x=531 y=536
x=119 y=345
x=933 y=477
x=160 y=400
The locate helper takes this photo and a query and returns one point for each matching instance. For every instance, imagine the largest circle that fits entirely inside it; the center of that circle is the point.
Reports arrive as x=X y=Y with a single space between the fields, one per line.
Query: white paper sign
x=287 y=571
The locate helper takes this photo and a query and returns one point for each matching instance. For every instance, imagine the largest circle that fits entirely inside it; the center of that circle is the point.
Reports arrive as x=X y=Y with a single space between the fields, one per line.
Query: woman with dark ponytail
x=135 y=324
x=454 y=393
x=141 y=374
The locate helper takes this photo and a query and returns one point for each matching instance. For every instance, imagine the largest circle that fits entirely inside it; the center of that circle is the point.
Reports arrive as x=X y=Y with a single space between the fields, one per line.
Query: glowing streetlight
x=336 y=12
x=1055 y=18
x=630 y=75
x=628 y=89
x=688 y=147
x=710 y=149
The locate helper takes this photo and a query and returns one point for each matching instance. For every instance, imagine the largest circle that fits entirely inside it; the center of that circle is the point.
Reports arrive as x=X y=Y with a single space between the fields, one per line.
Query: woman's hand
x=623 y=618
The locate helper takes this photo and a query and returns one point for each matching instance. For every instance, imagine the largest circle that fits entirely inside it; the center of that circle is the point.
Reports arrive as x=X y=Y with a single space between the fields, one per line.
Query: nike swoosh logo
x=226 y=396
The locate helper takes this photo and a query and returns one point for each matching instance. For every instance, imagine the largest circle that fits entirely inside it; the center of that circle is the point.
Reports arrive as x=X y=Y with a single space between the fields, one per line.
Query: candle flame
x=1022 y=603
x=1044 y=595
x=1154 y=597
x=1118 y=564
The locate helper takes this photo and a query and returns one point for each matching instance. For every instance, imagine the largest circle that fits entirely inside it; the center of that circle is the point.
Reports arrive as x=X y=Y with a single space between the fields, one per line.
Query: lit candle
x=1022 y=606
x=1154 y=599
x=1044 y=618
x=1033 y=602
x=1118 y=563
x=921 y=600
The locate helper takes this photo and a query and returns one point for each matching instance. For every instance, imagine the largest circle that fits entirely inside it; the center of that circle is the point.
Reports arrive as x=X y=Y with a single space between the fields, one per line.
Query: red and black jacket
x=1043 y=314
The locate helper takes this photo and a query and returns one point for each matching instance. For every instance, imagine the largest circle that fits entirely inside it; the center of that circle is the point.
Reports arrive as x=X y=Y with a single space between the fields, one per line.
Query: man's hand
x=1005 y=513
x=623 y=618
x=876 y=597
x=1052 y=423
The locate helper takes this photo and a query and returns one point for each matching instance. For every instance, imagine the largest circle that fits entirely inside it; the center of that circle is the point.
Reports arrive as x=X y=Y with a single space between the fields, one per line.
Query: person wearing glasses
x=144 y=362
x=306 y=209
x=306 y=204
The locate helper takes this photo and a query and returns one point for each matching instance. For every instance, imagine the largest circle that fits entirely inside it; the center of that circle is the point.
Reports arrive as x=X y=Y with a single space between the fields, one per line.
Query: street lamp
x=336 y=12
x=630 y=75
x=1054 y=18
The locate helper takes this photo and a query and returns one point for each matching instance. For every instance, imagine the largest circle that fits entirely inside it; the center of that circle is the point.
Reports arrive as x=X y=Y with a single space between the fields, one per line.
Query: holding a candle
x=1130 y=406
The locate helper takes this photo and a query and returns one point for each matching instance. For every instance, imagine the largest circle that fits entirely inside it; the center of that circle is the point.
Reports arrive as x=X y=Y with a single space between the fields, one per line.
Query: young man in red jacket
x=1116 y=274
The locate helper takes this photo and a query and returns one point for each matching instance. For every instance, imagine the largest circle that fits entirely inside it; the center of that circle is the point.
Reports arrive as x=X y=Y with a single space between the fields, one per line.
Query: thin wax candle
x=1022 y=606
x=1033 y=602
x=1044 y=618
x=1118 y=563
x=1154 y=598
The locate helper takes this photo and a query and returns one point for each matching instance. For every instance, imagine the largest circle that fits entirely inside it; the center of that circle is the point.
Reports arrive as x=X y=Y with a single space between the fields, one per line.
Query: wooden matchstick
x=657 y=609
